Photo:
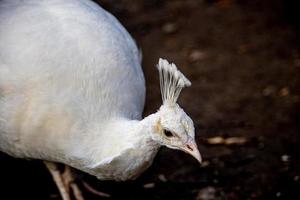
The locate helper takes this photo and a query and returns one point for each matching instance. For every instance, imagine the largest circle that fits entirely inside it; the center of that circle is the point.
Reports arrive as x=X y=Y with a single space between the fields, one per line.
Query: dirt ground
x=243 y=59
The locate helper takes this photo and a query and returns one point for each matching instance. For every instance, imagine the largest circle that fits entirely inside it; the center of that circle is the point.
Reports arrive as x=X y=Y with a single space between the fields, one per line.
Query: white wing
x=64 y=58
x=71 y=48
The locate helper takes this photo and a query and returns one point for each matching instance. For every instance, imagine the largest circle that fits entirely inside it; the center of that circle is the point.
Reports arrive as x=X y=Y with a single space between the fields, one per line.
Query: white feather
x=70 y=83
x=171 y=81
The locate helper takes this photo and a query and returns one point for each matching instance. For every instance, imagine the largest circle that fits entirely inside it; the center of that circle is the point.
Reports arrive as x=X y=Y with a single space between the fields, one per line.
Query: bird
x=72 y=92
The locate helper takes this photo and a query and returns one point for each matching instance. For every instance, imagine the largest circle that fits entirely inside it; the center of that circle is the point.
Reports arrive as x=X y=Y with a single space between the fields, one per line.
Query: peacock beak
x=191 y=148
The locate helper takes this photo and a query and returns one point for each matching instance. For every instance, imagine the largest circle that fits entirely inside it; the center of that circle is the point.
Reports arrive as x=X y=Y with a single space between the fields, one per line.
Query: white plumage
x=72 y=91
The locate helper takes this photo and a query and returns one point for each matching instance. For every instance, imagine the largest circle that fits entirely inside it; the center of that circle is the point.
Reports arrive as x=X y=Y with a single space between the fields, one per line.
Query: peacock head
x=174 y=128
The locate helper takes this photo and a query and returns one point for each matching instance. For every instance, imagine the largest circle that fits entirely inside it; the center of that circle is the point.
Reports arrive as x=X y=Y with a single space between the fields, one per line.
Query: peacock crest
x=171 y=81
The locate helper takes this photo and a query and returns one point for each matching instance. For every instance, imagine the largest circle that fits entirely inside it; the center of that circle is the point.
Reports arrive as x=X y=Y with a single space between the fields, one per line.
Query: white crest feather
x=171 y=81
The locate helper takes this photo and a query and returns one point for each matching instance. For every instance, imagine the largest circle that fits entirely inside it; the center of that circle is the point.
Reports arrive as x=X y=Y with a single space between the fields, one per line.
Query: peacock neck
x=120 y=139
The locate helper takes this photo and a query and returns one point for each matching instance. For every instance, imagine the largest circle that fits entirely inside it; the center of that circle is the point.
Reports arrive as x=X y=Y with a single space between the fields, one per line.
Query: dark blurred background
x=243 y=58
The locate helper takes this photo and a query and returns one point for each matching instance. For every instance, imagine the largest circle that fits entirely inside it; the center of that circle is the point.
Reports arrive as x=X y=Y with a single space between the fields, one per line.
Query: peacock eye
x=168 y=133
